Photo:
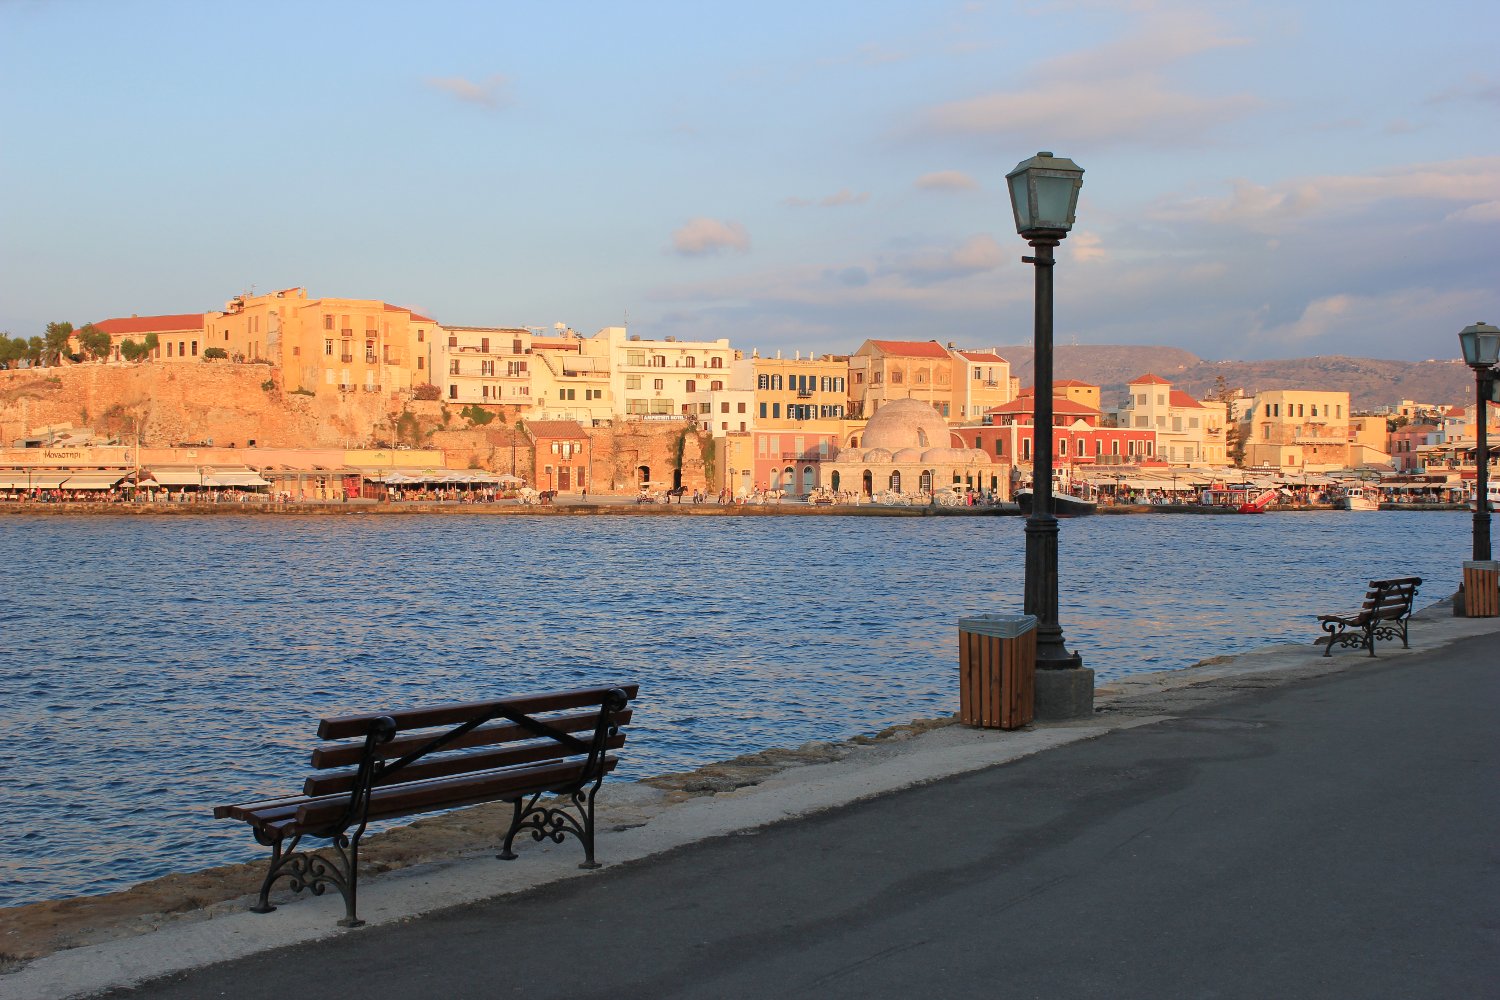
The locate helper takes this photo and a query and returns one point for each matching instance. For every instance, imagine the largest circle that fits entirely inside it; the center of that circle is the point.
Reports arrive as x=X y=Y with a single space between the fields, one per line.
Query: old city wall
x=230 y=404
x=235 y=404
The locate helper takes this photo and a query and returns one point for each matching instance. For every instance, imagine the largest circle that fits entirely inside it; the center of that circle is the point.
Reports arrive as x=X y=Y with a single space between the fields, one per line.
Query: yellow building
x=1303 y=429
x=659 y=378
x=807 y=394
x=1180 y=421
x=328 y=345
x=960 y=385
x=179 y=337
x=486 y=366
x=566 y=384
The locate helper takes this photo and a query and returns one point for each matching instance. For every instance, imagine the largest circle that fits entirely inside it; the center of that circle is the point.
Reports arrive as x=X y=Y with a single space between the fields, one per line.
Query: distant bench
x=1384 y=615
x=513 y=750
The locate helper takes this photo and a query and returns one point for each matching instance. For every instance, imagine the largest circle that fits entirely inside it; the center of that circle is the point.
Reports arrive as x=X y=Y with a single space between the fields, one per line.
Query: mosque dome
x=874 y=455
x=906 y=423
x=947 y=455
x=906 y=455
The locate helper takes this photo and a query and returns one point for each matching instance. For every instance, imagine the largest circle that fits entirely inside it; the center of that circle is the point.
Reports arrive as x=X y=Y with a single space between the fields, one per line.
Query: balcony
x=804 y=394
x=346 y=358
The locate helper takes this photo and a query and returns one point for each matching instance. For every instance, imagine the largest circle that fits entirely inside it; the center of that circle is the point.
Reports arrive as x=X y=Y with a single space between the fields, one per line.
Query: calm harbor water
x=152 y=669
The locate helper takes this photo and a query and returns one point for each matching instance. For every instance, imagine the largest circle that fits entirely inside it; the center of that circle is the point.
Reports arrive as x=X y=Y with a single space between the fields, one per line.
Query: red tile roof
x=982 y=356
x=911 y=348
x=151 y=324
x=1180 y=398
x=414 y=315
x=1025 y=404
x=1073 y=383
x=1148 y=379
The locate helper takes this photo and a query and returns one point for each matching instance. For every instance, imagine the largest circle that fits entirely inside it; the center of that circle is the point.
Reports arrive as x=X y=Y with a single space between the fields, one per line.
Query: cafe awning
x=177 y=477
x=92 y=480
x=234 y=478
x=48 y=480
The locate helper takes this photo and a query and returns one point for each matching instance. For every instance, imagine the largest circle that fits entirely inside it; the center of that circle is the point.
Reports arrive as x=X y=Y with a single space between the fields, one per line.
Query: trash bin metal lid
x=1490 y=564
x=998 y=626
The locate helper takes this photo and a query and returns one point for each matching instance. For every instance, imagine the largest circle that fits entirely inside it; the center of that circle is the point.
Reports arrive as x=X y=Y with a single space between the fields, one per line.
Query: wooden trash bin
x=997 y=671
x=1482 y=588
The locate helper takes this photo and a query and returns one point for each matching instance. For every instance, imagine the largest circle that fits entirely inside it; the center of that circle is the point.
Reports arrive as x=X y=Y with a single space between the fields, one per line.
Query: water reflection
x=153 y=669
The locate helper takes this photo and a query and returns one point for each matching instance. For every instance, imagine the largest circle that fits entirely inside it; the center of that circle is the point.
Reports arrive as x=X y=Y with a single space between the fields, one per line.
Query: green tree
x=94 y=342
x=55 y=342
x=36 y=348
x=130 y=350
x=11 y=351
x=149 y=345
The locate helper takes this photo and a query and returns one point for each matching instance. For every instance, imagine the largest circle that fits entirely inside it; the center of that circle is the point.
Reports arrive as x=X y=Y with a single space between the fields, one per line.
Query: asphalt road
x=1332 y=838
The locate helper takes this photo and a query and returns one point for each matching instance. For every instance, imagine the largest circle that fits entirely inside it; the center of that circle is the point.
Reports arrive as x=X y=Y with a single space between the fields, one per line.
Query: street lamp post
x=1481 y=347
x=1043 y=196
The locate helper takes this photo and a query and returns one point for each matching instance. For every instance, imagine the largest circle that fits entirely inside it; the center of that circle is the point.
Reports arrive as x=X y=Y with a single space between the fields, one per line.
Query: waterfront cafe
x=430 y=484
x=202 y=480
x=74 y=472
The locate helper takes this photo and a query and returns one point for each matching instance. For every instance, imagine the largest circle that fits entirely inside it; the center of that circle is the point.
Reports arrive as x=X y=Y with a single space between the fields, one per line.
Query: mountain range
x=1372 y=383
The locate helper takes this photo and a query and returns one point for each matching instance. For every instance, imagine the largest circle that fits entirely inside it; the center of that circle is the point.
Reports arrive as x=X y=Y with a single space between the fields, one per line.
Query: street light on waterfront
x=1043 y=196
x=1481 y=347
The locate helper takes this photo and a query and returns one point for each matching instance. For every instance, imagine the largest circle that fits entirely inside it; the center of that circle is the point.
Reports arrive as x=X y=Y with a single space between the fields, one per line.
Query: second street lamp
x=1481 y=346
x=1044 y=196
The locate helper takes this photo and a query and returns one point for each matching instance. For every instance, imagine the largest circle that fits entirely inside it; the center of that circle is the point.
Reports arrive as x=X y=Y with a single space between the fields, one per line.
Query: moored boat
x=1359 y=498
x=1063 y=504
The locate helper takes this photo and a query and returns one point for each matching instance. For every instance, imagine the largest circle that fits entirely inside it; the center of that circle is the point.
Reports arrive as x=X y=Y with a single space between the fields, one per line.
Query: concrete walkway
x=1278 y=824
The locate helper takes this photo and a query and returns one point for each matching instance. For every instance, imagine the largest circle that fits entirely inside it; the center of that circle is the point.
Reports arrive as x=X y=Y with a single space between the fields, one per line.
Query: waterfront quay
x=1273 y=824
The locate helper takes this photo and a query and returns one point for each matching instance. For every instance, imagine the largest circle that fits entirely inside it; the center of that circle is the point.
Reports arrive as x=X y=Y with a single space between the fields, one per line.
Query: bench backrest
x=1391 y=598
x=465 y=738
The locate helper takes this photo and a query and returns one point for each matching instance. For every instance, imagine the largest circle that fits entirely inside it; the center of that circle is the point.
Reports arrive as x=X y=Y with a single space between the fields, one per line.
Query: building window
x=1062 y=446
x=658 y=383
x=692 y=385
x=716 y=362
x=775 y=411
x=487 y=368
x=452 y=340
x=484 y=345
x=1026 y=449
x=741 y=408
x=419 y=336
x=195 y=348
x=716 y=386
x=453 y=390
x=453 y=367
x=421 y=363
x=690 y=362
x=658 y=361
x=762 y=411
x=328 y=348
x=328 y=321
x=999 y=446
x=632 y=381
x=896 y=376
x=763 y=381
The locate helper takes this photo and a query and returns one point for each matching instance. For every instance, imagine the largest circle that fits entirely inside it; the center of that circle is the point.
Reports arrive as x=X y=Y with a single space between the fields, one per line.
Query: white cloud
x=487 y=93
x=1255 y=205
x=701 y=236
x=1345 y=317
x=1485 y=211
x=842 y=197
x=947 y=180
x=1116 y=93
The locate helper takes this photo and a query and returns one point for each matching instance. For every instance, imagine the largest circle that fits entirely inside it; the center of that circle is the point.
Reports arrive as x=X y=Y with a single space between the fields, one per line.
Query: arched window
x=925 y=483
x=808 y=478
x=896 y=481
x=835 y=482
x=789 y=479
x=869 y=483
x=922 y=439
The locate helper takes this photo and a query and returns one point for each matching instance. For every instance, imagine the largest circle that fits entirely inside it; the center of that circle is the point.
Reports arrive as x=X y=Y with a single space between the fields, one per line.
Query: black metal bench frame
x=1386 y=611
x=547 y=765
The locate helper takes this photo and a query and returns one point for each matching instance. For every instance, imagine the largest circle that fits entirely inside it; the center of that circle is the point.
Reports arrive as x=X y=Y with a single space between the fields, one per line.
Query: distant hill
x=1371 y=383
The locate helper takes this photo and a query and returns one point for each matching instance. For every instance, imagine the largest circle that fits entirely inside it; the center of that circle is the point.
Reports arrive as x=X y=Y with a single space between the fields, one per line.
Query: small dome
x=943 y=456
x=906 y=455
x=876 y=455
x=907 y=423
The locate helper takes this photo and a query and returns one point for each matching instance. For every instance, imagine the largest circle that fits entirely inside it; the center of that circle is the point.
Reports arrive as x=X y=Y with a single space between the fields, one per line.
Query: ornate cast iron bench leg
x=554 y=823
x=312 y=871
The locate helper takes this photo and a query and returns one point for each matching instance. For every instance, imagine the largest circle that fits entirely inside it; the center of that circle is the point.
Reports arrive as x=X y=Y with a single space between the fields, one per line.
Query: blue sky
x=1262 y=180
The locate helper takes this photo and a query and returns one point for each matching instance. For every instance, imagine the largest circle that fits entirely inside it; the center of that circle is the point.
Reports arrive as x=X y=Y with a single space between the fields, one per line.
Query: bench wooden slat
x=347 y=754
x=441 y=766
x=347 y=726
x=447 y=793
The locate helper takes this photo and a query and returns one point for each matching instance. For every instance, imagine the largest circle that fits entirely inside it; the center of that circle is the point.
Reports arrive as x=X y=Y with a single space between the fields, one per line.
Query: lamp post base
x=1063 y=694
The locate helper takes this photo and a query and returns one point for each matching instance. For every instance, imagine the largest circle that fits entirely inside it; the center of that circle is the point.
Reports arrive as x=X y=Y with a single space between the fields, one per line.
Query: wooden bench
x=394 y=764
x=1384 y=615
